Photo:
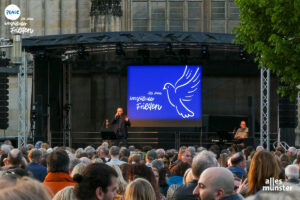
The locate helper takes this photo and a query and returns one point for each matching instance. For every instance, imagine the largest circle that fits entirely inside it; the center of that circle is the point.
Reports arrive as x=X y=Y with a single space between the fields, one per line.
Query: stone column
x=297 y=130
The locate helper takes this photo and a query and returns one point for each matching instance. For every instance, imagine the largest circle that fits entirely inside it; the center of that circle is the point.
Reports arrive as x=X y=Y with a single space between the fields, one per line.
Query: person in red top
x=57 y=166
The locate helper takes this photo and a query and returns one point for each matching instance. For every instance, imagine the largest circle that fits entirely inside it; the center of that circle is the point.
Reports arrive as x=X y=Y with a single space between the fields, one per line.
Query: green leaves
x=270 y=29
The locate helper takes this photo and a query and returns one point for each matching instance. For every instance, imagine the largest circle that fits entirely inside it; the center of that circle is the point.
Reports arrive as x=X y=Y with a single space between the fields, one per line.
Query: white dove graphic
x=183 y=90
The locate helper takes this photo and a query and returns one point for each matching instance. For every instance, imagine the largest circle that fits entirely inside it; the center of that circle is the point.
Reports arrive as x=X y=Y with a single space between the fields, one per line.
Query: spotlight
x=204 y=49
x=169 y=49
x=119 y=49
x=82 y=54
x=242 y=54
x=204 y=52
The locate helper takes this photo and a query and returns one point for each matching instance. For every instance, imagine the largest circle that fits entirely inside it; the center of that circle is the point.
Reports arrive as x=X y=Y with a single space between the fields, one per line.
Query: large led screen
x=167 y=96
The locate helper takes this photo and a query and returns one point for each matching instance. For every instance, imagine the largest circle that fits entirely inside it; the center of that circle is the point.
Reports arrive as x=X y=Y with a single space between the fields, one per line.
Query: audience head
x=90 y=151
x=238 y=160
x=259 y=148
x=186 y=156
x=140 y=189
x=202 y=161
x=114 y=151
x=5 y=148
x=131 y=148
x=24 y=188
x=135 y=159
x=292 y=151
x=78 y=169
x=158 y=164
x=142 y=171
x=292 y=172
x=103 y=152
x=151 y=155
x=121 y=182
x=284 y=160
x=263 y=166
x=215 y=183
x=280 y=149
x=58 y=161
x=179 y=169
x=98 y=181
x=35 y=155
x=124 y=152
x=160 y=153
x=15 y=157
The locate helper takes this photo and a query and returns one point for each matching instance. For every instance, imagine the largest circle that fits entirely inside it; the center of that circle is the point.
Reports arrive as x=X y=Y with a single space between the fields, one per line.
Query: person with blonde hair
x=140 y=189
x=121 y=183
x=78 y=169
x=25 y=188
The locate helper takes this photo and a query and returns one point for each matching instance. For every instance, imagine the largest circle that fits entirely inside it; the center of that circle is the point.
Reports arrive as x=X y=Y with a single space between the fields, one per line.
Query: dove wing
x=188 y=83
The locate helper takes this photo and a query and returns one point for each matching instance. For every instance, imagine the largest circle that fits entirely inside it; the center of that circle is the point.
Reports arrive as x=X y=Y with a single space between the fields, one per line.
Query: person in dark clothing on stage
x=120 y=123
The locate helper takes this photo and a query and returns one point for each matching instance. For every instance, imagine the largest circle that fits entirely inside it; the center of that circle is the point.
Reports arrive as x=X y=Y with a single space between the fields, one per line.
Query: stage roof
x=127 y=37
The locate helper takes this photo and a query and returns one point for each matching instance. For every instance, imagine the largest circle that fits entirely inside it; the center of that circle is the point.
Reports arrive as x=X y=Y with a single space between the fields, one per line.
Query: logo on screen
x=183 y=90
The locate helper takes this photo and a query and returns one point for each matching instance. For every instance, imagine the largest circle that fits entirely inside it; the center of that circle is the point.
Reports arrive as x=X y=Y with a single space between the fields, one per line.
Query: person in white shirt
x=114 y=153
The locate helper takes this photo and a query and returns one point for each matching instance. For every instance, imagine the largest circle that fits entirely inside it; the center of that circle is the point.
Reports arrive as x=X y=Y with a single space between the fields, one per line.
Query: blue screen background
x=145 y=87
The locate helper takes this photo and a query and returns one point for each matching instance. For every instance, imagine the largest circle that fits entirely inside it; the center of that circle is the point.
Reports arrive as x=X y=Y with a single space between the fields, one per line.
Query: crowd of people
x=39 y=172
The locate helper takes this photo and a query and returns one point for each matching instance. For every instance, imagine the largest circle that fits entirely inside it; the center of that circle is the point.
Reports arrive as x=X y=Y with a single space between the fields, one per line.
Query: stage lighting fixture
x=82 y=54
x=204 y=49
x=242 y=54
x=204 y=52
x=119 y=49
x=169 y=49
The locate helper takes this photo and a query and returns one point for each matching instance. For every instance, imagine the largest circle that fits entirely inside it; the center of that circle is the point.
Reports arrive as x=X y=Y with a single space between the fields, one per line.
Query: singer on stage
x=120 y=123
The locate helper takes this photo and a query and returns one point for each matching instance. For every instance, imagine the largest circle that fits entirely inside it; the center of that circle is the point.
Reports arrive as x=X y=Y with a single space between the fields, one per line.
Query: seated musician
x=242 y=132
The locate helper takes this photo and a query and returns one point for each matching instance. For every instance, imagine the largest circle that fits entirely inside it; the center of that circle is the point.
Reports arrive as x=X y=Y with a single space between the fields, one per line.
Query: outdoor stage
x=80 y=80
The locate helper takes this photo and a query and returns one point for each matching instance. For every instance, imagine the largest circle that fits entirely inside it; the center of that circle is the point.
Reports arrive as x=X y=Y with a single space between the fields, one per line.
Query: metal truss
x=67 y=122
x=265 y=108
x=22 y=103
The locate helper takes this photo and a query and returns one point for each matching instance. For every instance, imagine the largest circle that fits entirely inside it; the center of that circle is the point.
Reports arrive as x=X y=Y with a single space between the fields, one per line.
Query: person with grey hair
x=114 y=153
x=5 y=149
x=158 y=164
x=216 y=183
x=292 y=153
x=78 y=152
x=259 y=148
x=131 y=148
x=90 y=151
x=292 y=174
x=14 y=159
x=160 y=153
x=103 y=153
x=203 y=160
x=39 y=171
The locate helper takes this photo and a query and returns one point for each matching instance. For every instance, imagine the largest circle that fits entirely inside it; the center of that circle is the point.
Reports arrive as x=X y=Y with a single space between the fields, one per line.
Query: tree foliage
x=270 y=29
